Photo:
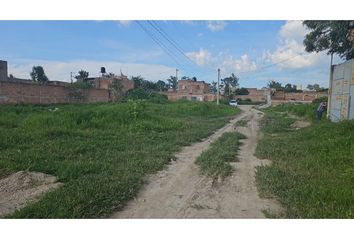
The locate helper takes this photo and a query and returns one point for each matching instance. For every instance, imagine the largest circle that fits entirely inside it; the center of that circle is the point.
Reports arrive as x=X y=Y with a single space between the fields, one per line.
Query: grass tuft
x=215 y=160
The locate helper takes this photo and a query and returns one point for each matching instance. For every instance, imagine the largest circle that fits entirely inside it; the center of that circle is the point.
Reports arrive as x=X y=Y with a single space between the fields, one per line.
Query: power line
x=161 y=45
x=169 y=39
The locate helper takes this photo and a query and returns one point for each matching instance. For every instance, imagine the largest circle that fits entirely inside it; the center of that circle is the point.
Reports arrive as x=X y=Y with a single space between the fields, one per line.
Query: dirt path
x=181 y=191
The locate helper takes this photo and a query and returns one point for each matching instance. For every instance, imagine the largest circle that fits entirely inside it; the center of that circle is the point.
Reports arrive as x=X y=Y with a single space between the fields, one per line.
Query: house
x=105 y=82
x=191 y=90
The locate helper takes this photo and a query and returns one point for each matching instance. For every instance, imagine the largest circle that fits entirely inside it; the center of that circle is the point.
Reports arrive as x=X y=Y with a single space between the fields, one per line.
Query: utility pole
x=71 y=77
x=330 y=87
x=176 y=74
x=217 y=96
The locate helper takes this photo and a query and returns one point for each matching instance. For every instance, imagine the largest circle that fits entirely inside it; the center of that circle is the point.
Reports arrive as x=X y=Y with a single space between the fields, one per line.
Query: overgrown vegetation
x=101 y=152
x=312 y=172
x=307 y=111
x=215 y=160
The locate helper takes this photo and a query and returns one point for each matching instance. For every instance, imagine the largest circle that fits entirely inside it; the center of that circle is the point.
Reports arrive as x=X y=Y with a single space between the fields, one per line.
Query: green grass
x=215 y=160
x=307 y=111
x=101 y=152
x=312 y=173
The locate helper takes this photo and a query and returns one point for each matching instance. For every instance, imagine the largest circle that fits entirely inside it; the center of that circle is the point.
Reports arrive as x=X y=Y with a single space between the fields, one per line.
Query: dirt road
x=181 y=191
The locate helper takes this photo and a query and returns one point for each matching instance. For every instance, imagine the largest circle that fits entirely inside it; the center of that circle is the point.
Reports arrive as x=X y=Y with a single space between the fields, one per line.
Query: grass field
x=214 y=162
x=312 y=173
x=101 y=152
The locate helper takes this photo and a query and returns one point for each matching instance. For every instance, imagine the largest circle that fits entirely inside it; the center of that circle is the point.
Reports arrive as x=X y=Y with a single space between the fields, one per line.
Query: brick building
x=105 y=82
x=191 y=90
x=18 y=91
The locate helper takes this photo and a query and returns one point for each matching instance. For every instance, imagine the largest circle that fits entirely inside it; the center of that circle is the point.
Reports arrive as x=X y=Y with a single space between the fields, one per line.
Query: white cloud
x=202 y=57
x=293 y=30
x=200 y=35
x=226 y=62
x=57 y=70
x=215 y=26
x=290 y=53
x=242 y=64
x=124 y=23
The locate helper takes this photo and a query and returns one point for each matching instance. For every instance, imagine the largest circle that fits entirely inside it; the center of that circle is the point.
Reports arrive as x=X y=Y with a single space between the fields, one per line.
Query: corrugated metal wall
x=341 y=106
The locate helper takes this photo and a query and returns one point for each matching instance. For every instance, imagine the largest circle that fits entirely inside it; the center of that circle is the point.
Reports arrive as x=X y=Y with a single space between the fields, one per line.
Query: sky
x=255 y=51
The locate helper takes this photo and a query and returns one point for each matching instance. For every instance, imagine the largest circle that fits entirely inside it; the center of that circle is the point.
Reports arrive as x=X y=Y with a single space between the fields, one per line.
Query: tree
x=161 y=85
x=276 y=85
x=82 y=75
x=335 y=37
x=172 y=82
x=229 y=82
x=138 y=81
x=290 y=88
x=213 y=87
x=38 y=74
x=242 y=91
x=310 y=87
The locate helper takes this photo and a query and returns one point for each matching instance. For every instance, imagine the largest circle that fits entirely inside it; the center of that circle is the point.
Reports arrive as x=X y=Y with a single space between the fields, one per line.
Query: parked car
x=233 y=103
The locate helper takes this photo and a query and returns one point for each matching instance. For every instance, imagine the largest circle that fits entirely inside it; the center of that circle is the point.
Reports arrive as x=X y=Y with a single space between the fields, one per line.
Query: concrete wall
x=341 y=101
x=12 y=92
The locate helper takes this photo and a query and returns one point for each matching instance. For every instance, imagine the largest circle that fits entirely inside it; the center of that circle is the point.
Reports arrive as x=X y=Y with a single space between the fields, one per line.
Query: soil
x=180 y=191
x=23 y=187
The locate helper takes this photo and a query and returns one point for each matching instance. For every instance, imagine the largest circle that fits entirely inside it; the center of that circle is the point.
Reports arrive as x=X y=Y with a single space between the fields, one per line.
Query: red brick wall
x=172 y=95
x=254 y=94
x=34 y=93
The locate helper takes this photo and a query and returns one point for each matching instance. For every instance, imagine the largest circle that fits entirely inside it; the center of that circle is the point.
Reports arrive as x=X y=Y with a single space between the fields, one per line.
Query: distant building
x=191 y=90
x=255 y=95
x=105 y=82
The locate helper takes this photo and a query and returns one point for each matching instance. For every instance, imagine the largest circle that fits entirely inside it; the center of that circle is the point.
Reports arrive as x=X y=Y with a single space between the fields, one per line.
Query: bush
x=320 y=99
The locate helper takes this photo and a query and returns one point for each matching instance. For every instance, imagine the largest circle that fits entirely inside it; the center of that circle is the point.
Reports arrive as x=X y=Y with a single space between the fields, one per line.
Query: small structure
x=3 y=70
x=341 y=101
x=191 y=90
x=105 y=82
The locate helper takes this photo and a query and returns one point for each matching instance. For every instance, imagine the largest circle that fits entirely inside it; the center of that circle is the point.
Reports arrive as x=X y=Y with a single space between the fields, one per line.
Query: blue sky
x=256 y=51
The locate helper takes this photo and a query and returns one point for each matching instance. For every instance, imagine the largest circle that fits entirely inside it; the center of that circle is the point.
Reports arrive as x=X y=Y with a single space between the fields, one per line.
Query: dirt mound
x=23 y=187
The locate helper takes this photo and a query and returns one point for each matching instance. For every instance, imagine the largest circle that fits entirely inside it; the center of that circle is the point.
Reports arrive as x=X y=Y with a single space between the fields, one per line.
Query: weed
x=215 y=160
x=199 y=206
x=101 y=152
x=312 y=169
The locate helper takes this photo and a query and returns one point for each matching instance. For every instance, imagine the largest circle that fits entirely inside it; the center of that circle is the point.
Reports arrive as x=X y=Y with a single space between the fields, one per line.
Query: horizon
x=255 y=51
